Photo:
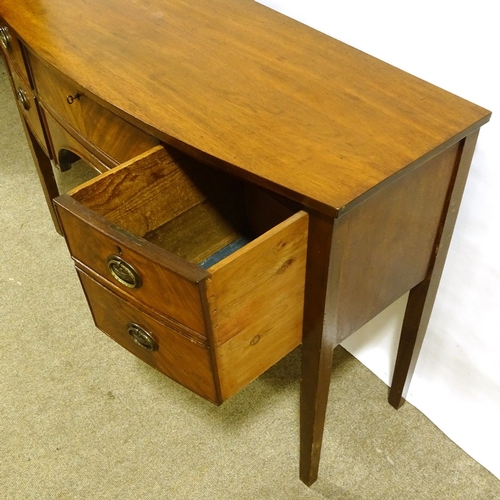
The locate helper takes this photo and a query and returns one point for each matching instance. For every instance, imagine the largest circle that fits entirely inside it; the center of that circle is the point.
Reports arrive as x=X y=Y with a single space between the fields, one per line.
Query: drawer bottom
x=173 y=353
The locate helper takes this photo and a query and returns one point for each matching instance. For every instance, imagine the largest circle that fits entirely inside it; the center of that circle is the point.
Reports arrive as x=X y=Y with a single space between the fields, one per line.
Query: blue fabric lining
x=224 y=252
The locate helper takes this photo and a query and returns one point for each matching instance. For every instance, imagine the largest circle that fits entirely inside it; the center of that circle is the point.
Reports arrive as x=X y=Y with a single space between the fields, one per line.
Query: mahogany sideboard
x=261 y=185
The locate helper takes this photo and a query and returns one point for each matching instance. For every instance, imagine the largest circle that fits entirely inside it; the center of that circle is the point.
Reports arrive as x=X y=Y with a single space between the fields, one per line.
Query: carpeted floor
x=81 y=418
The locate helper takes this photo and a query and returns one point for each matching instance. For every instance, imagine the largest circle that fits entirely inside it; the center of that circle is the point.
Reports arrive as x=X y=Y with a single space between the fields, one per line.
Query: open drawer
x=222 y=263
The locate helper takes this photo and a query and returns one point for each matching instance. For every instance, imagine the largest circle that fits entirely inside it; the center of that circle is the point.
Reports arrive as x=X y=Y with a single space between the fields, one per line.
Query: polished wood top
x=249 y=90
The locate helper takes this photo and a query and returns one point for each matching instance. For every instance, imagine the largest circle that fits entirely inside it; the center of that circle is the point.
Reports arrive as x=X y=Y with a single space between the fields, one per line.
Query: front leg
x=323 y=272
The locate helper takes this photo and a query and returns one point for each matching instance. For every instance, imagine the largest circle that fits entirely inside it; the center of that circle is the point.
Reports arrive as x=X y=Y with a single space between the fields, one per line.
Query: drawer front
x=28 y=107
x=60 y=141
x=163 y=285
x=98 y=126
x=12 y=50
x=169 y=351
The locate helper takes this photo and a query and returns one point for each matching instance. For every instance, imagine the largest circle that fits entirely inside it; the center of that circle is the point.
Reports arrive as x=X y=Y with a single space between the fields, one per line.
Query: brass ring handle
x=72 y=98
x=123 y=272
x=23 y=99
x=141 y=337
x=5 y=38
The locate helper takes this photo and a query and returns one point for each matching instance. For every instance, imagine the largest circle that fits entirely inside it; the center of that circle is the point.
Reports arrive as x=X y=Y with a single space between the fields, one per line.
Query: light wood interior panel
x=254 y=323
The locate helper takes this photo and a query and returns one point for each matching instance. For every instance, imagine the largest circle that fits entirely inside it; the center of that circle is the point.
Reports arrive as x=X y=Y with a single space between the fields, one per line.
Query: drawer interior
x=197 y=213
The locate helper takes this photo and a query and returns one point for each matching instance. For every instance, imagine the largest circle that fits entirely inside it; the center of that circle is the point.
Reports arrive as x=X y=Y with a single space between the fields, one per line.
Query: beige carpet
x=81 y=418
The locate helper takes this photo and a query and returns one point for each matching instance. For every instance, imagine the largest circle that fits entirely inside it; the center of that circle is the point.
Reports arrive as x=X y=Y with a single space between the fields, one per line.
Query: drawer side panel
x=256 y=300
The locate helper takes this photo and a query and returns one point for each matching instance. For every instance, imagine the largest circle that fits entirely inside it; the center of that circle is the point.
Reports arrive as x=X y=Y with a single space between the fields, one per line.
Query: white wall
x=453 y=44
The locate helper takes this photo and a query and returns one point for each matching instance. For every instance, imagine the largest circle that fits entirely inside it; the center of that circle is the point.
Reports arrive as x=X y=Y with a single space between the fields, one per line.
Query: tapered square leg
x=45 y=173
x=422 y=296
x=318 y=345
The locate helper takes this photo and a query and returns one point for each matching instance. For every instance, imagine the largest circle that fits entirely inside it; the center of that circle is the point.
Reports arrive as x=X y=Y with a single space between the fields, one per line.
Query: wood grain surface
x=249 y=90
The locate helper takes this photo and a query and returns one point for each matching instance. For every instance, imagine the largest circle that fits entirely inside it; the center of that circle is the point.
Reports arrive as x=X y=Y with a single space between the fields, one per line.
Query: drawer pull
x=141 y=337
x=72 y=98
x=123 y=272
x=23 y=99
x=5 y=38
